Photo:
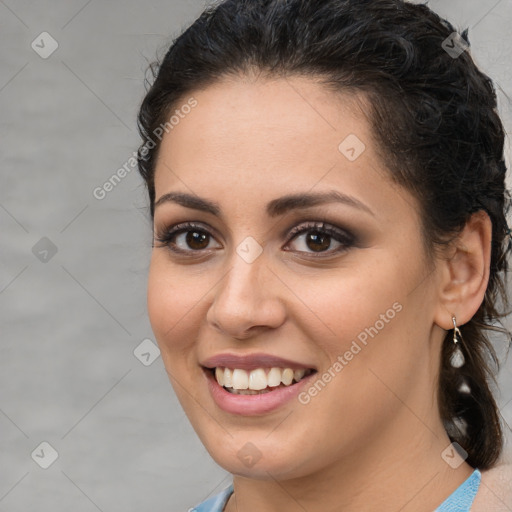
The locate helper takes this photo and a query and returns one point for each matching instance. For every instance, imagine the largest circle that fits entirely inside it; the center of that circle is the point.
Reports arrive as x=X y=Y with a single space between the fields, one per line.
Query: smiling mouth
x=258 y=381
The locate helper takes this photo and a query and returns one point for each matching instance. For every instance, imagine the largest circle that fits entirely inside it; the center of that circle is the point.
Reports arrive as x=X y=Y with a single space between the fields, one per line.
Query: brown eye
x=197 y=240
x=318 y=241
x=186 y=238
x=319 y=237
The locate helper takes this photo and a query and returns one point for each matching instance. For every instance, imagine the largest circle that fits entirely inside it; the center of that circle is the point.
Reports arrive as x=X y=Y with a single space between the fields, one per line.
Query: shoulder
x=495 y=491
x=215 y=503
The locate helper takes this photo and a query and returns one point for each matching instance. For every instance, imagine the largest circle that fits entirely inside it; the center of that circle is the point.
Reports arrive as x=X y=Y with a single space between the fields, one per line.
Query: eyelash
x=345 y=238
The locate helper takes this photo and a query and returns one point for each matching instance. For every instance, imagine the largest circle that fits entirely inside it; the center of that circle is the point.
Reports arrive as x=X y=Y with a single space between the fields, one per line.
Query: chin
x=259 y=459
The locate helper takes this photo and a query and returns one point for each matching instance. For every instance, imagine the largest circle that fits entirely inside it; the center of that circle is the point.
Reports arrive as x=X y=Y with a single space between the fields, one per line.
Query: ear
x=464 y=273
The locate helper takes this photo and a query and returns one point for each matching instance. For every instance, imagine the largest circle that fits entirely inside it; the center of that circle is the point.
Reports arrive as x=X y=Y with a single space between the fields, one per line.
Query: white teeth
x=287 y=377
x=298 y=374
x=228 y=378
x=240 y=379
x=258 y=380
x=274 y=377
x=219 y=375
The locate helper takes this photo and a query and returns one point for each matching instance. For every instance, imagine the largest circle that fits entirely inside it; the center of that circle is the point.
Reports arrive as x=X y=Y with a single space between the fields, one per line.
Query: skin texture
x=372 y=438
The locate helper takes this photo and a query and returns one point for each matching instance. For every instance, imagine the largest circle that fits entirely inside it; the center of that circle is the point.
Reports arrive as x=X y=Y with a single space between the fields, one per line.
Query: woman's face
x=352 y=303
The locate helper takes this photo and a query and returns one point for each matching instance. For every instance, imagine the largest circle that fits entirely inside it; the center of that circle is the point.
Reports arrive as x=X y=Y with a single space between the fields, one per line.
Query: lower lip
x=252 y=405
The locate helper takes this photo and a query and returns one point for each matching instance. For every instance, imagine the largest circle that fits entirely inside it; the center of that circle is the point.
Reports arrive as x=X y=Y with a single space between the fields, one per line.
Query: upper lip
x=252 y=361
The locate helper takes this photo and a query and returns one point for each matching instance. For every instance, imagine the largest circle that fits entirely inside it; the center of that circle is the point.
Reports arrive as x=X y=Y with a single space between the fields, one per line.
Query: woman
x=327 y=185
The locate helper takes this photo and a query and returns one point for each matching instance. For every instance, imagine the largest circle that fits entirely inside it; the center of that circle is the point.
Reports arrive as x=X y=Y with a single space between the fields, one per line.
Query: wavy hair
x=434 y=118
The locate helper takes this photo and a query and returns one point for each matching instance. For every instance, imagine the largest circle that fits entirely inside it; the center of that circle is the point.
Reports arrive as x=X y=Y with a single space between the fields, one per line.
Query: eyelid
x=164 y=235
x=340 y=235
x=175 y=229
x=322 y=226
x=343 y=237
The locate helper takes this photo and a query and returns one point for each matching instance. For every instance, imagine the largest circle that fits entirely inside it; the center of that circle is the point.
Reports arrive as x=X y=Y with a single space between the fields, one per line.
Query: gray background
x=71 y=321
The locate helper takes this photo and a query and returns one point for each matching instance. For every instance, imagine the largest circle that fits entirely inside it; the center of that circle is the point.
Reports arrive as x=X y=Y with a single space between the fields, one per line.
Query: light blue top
x=462 y=498
x=459 y=501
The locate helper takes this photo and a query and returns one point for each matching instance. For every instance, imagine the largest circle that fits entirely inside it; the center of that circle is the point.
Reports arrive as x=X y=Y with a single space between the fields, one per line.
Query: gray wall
x=73 y=268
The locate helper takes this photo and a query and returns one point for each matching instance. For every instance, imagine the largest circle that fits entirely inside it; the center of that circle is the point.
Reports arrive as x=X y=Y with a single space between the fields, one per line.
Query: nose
x=246 y=301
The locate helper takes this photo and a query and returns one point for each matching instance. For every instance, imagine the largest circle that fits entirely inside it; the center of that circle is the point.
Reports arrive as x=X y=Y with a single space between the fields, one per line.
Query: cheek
x=350 y=304
x=361 y=322
x=372 y=358
x=172 y=304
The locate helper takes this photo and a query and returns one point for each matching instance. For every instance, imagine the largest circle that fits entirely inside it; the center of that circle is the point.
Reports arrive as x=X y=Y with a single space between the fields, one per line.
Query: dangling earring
x=457 y=359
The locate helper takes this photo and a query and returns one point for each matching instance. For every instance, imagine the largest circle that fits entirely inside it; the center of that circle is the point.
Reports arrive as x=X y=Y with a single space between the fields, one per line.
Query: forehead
x=242 y=123
x=246 y=140
x=228 y=109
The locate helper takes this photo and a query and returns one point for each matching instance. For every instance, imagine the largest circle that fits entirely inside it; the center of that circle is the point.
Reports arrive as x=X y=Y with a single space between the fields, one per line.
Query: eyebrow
x=274 y=208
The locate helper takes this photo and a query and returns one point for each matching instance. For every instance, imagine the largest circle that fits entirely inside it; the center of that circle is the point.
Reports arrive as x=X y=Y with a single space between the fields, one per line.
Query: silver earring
x=457 y=359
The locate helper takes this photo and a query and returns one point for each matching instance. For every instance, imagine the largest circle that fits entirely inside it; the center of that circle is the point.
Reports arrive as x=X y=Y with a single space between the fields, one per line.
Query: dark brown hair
x=435 y=120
